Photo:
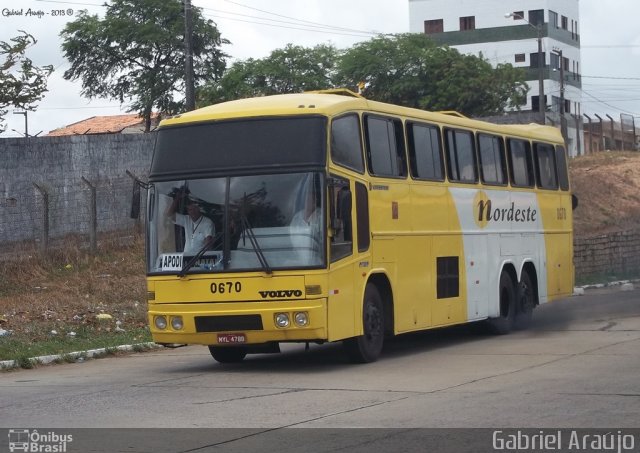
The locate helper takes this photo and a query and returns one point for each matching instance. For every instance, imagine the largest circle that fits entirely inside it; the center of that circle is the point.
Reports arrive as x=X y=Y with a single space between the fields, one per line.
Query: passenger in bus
x=309 y=215
x=198 y=229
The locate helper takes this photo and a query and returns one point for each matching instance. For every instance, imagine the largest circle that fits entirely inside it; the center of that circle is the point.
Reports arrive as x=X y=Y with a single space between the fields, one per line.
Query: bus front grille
x=228 y=323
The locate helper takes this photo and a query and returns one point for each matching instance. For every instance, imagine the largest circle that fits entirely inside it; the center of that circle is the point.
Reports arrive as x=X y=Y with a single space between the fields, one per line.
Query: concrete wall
x=57 y=165
x=615 y=254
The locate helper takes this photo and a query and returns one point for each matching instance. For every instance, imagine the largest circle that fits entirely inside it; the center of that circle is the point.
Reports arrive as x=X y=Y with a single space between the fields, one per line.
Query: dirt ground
x=607 y=185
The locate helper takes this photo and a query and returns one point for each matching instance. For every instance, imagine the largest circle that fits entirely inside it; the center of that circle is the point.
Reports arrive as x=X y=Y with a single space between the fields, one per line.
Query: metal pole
x=613 y=133
x=563 y=122
x=589 y=148
x=542 y=103
x=190 y=99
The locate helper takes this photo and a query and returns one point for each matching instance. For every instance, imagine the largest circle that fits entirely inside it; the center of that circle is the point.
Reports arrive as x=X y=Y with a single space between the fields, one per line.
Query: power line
x=301 y=20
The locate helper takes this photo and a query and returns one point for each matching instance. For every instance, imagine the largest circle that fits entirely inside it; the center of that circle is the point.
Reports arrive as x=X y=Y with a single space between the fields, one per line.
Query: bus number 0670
x=226 y=287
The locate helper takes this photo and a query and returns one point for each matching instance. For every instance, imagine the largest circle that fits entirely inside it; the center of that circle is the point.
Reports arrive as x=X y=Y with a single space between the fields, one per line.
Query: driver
x=199 y=230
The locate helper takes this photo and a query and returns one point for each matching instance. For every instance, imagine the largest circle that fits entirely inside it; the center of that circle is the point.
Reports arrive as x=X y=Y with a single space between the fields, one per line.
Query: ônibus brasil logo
x=484 y=211
x=29 y=440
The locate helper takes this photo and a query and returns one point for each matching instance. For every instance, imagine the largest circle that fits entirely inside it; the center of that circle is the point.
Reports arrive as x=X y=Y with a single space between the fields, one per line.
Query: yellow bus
x=323 y=217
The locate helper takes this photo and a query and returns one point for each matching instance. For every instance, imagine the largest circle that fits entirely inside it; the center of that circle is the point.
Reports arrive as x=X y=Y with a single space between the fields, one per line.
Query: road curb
x=625 y=285
x=76 y=355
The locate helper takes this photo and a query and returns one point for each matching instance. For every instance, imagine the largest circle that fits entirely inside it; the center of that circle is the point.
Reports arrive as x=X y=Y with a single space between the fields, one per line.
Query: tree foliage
x=21 y=83
x=292 y=69
x=412 y=70
x=407 y=69
x=136 y=53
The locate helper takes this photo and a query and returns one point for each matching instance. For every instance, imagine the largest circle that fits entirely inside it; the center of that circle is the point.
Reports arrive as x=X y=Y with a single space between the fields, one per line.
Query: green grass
x=21 y=347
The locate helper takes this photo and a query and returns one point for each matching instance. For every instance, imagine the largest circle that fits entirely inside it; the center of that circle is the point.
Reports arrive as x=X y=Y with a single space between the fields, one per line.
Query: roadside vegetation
x=69 y=300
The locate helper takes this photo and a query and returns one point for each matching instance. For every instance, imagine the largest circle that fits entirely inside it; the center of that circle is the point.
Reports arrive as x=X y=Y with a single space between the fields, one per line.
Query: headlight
x=160 y=322
x=301 y=318
x=176 y=323
x=282 y=320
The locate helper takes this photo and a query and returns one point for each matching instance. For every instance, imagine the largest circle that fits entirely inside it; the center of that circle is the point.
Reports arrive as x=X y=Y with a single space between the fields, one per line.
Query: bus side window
x=346 y=145
x=520 y=165
x=341 y=228
x=461 y=156
x=425 y=152
x=385 y=147
x=546 y=166
x=563 y=173
x=362 y=217
x=492 y=166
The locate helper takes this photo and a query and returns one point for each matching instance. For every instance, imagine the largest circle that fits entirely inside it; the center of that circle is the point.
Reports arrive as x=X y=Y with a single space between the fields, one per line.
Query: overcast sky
x=610 y=39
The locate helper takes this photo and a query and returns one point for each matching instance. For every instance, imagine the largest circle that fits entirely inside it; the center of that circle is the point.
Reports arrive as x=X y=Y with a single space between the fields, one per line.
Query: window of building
x=433 y=26
x=468 y=23
x=555 y=61
x=535 y=100
x=518 y=15
x=536 y=16
x=553 y=19
x=520 y=58
x=425 y=151
x=564 y=22
x=461 y=156
x=534 y=58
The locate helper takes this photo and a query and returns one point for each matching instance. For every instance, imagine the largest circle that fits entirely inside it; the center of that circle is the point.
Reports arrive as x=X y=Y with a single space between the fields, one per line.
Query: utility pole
x=542 y=102
x=190 y=98
x=563 y=121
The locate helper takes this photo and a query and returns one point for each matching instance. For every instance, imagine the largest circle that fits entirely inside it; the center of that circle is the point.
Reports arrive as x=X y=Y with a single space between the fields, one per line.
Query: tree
x=412 y=70
x=136 y=53
x=21 y=83
x=292 y=69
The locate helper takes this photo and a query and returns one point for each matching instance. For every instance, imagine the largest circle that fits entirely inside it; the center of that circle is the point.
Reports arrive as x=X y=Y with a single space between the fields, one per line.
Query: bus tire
x=503 y=324
x=367 y=347
x=526 y=302
x=224 y=354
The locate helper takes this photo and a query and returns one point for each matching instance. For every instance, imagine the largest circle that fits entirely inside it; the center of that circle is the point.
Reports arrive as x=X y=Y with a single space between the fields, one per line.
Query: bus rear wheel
x=504 y=323
x=224 y=354
x=367 y=347
x=525 y=304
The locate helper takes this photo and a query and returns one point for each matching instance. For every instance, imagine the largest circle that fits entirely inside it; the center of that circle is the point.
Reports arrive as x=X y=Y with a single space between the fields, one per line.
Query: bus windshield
x=240 y=223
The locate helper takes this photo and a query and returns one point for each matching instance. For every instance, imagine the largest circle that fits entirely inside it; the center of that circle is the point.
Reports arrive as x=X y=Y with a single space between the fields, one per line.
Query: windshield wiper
x=198 y=255
x=246 y=227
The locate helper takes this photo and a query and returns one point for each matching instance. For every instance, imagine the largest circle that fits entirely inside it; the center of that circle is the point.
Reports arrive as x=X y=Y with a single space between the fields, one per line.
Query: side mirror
x=574 y=202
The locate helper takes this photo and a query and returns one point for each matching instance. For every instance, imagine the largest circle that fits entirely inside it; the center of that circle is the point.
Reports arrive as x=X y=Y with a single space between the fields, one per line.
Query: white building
x=510 y=31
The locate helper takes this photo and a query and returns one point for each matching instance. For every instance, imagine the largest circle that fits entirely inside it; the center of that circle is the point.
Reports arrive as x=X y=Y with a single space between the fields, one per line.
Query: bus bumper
x=224 y=324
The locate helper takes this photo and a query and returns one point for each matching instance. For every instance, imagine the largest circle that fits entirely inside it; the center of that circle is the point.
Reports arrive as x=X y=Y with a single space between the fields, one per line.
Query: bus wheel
x=525 y=303
x=367 y=347
x=504 y=323
x=224 y=354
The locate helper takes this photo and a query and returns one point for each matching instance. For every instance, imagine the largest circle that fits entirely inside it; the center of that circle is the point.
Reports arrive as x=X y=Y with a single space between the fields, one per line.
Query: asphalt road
x=577 y=367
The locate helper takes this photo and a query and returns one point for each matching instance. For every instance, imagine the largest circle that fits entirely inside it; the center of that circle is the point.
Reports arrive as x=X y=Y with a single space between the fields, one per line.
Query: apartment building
x=541 y=36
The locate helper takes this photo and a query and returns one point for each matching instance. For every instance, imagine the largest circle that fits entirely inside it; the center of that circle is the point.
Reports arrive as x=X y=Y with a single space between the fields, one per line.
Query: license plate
x=232 y=338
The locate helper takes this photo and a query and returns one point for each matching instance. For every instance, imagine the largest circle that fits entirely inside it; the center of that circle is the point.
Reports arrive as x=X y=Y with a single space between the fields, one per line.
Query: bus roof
x=336 y=102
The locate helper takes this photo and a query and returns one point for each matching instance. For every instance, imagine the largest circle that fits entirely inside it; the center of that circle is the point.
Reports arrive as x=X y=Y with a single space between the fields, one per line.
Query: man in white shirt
x=198 y=229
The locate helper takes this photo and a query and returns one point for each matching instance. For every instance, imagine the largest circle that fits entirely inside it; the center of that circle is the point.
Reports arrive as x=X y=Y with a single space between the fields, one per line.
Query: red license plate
x=232 y=338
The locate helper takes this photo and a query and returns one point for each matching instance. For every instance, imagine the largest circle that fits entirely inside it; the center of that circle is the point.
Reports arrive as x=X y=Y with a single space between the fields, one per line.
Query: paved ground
x=577 y=368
